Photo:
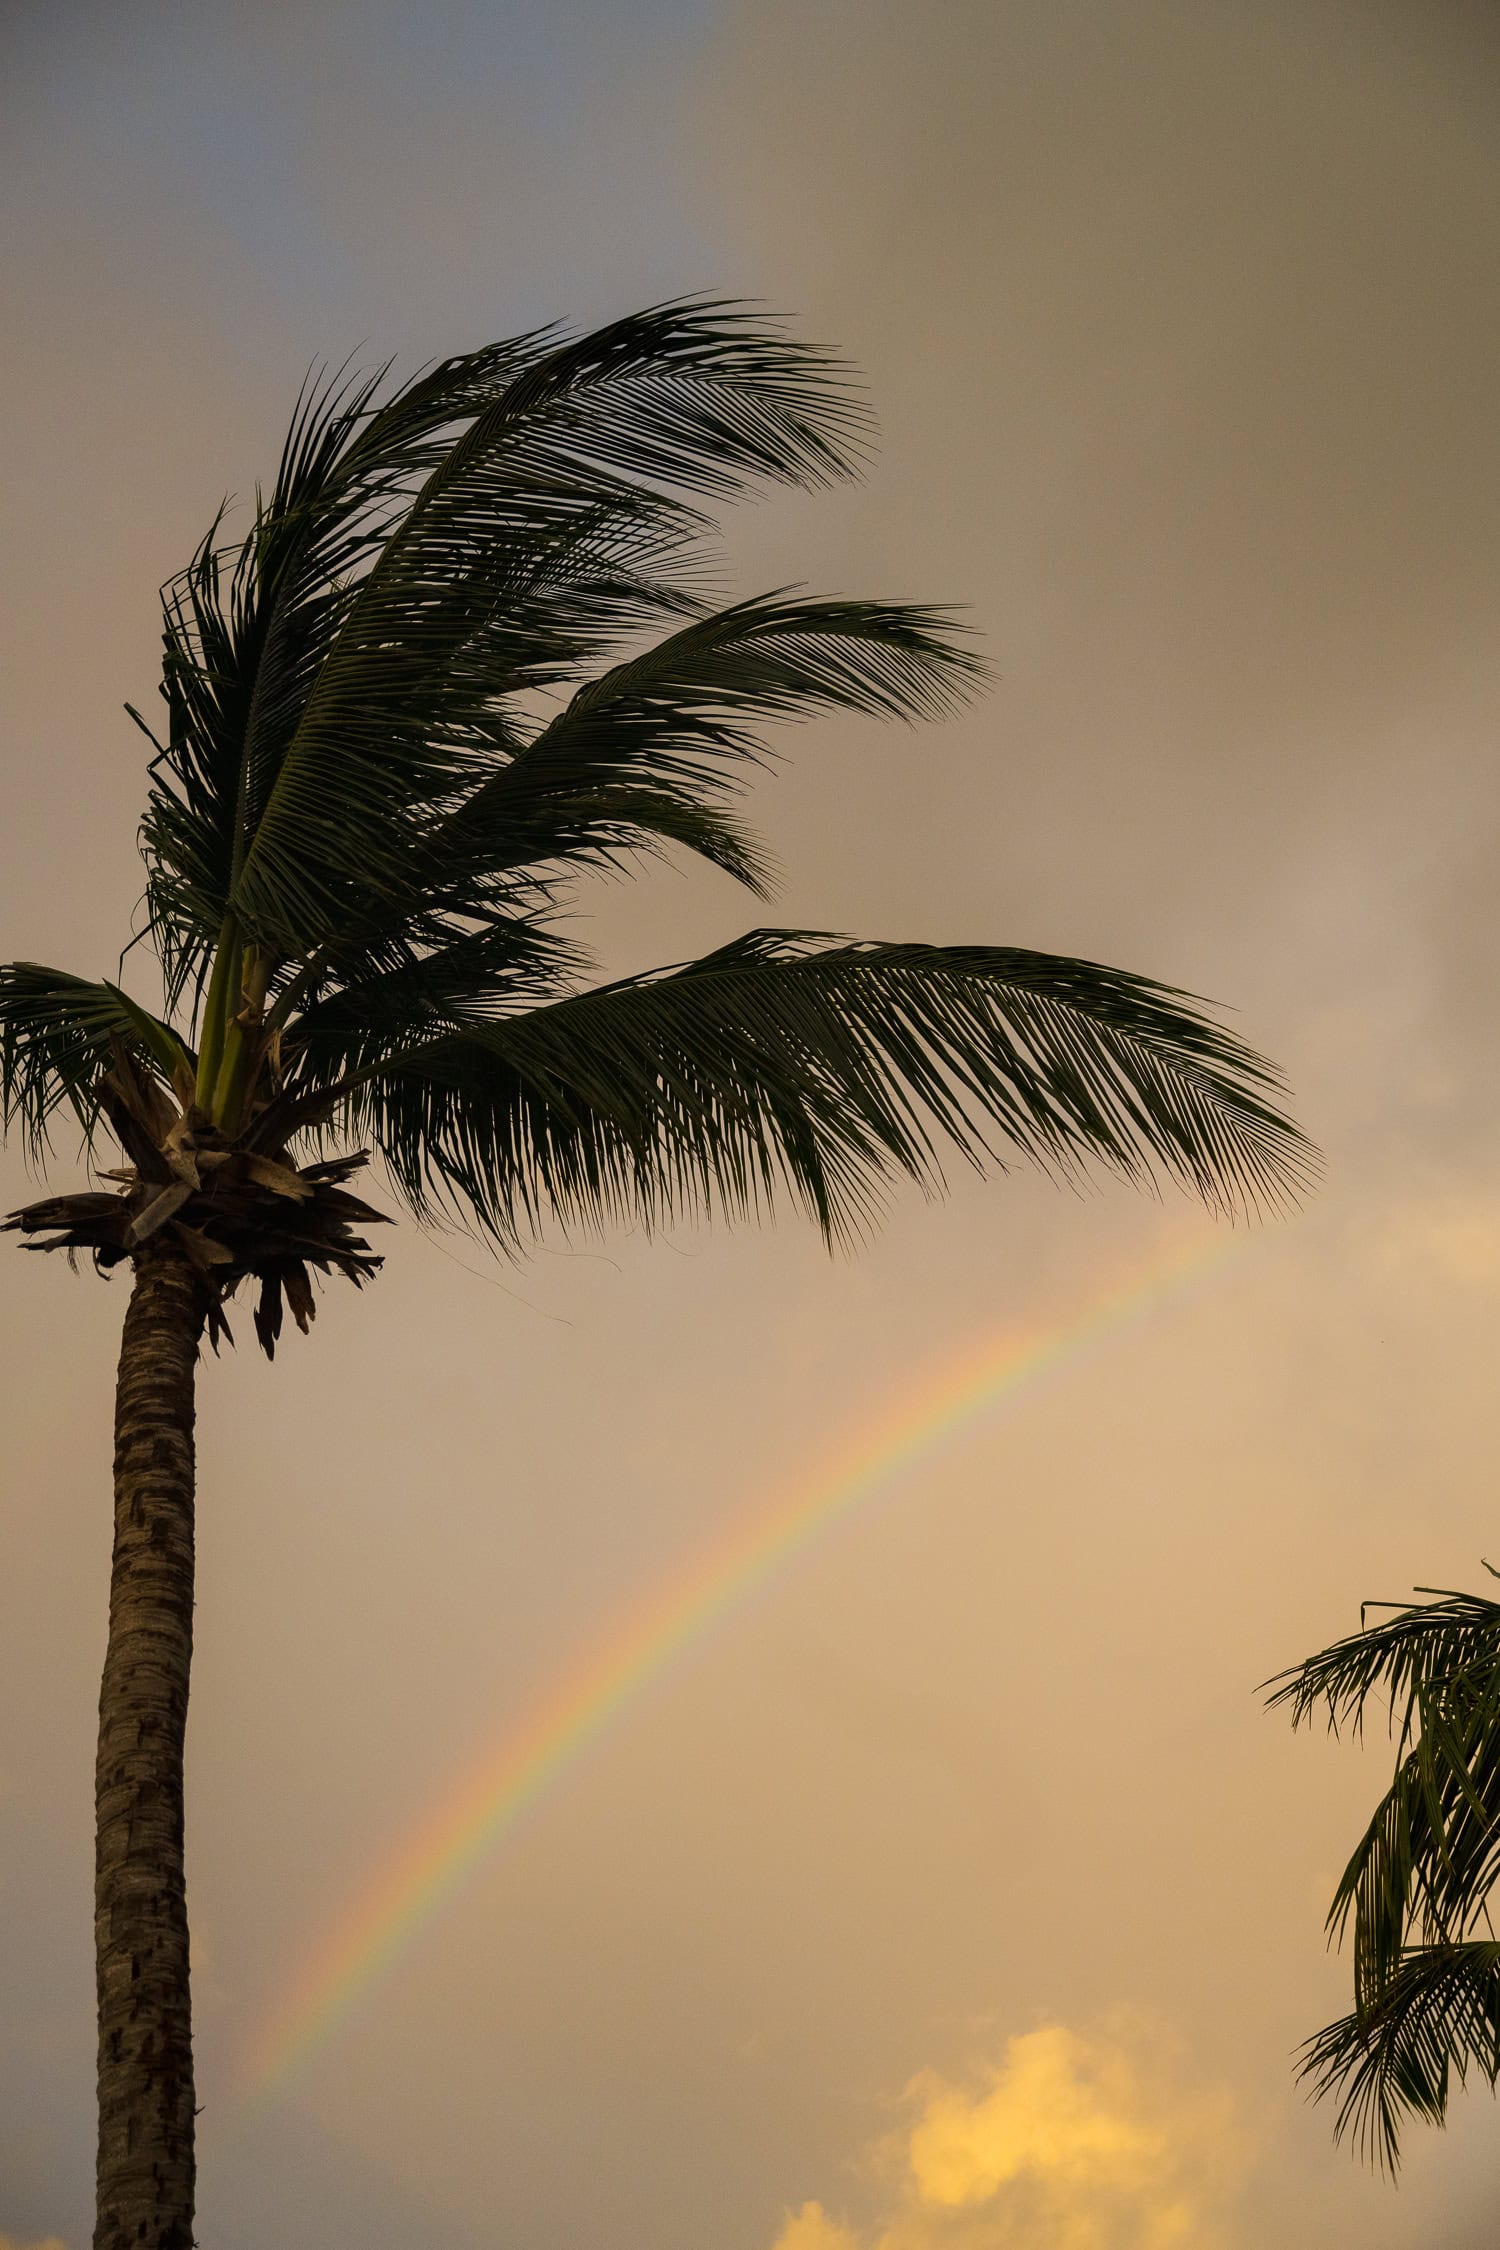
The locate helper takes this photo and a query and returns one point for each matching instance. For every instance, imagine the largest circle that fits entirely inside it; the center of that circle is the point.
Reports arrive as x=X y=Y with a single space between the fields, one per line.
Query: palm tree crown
x=460 y=658
x=1415 y=1893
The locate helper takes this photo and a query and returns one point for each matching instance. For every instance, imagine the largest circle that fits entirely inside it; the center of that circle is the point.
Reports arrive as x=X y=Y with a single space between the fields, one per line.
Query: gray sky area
x=953 y=1891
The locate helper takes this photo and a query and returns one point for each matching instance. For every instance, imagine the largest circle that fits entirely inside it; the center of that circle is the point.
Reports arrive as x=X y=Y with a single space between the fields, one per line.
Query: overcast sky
x=955 y=1892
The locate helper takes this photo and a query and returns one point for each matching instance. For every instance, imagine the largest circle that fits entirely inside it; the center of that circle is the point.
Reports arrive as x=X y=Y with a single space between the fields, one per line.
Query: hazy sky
x=955 y=1893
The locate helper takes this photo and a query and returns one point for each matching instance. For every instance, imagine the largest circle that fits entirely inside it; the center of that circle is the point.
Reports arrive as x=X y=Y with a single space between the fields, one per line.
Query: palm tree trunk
x=146 y=2104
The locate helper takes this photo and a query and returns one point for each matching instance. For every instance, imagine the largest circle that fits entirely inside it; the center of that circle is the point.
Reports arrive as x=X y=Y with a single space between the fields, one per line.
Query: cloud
x=811 y=2229
x=1071 y=2142
x=48 y=2242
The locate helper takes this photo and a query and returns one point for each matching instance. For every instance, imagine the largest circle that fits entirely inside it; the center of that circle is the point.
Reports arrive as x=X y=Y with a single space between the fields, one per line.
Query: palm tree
x=460 y=659
x=1426 y=1981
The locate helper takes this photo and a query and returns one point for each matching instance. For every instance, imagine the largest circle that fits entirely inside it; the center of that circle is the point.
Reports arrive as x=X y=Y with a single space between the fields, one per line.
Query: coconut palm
x=1414 y=1895
x=461 y=658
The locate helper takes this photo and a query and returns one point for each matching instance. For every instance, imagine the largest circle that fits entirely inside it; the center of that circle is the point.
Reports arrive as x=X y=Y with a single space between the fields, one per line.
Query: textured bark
x=146 y=2173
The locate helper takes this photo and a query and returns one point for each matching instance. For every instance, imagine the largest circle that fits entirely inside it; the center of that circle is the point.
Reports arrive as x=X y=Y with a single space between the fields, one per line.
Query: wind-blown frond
x=60 y=1036
x=654 y=748
x=1416 y=1888
x=549 y=527
x=493 y=527
x=1432 y=1848
x=1436 y=2019
x=407 y=994
x=1419 y=1644
x=790 y=1061
x=250 y=625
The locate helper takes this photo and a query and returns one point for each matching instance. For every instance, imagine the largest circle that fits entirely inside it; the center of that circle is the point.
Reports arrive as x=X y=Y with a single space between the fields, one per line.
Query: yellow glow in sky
x=1072 y=2141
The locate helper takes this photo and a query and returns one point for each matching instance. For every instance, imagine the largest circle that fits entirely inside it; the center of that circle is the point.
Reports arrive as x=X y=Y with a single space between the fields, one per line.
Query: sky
x=950 y=1889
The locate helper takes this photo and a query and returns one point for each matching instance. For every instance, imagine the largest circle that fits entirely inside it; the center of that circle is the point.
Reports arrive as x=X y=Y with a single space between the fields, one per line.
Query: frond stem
x=243 y=1042
x=216 y=1012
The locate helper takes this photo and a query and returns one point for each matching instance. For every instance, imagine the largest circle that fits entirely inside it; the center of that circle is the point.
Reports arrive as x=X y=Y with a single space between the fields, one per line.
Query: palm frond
x=410 y=992
x=1436 y=2019
x=60 y=1037
x=1420 y=1644
x=246 y=627
x=1415 y=1891
x=1428 y=1859
x=1432 y=1848
x=187 y=832
x=788 y=1061
x=656 y=748
x=551 y=526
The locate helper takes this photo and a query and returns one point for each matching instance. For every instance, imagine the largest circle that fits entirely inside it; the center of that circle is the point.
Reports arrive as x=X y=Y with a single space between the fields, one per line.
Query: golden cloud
x=1071 y=2142
x=49 y=2242
x=807 y=2229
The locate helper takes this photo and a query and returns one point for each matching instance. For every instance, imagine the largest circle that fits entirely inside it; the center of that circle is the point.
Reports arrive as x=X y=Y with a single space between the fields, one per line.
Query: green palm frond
x=1429 y=1857
x=60 y=1037
x=1416 y=1888
x=493 y=527
x=552 y=525
x=458 y=978
x=654 y=748
x=1418 y=1645
x=1429 y=1854
x=789 y=1061
x=1436 y=2019
x=250 y=625
x=653 y=752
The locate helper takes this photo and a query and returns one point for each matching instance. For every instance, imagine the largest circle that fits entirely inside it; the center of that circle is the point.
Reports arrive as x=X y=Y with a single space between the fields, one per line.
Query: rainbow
x=428 y=1864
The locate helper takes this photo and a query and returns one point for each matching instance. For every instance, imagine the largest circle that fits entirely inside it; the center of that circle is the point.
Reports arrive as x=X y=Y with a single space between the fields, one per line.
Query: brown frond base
x=238 y=1215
